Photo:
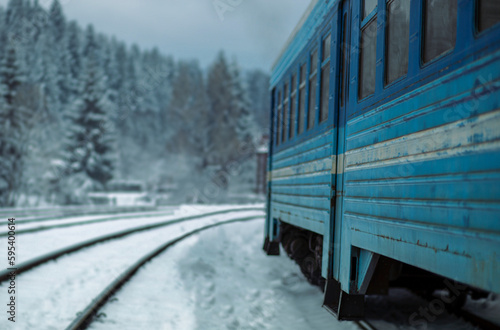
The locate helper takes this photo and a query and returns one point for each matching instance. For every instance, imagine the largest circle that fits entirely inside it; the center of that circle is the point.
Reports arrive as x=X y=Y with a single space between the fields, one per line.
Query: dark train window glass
x=488 y=14
x=325 y=92
x=367 y=59
x=314 y=62
x=274 y=112
x=303 y=73
x=342 y=60
x=369 y=6
x=327 y=45
x=293 y=106
x=312 y=90
x=278 y=120
x=285 y=114
x=302 y=99
x=440 y=27
x=398 y=39
x=312 y=102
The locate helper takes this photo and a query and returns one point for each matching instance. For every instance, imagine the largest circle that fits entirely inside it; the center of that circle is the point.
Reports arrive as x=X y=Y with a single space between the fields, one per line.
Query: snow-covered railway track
x=34 y=262
x=54 y=223
x=85 y=317
x=35 y=215
x=365 y=325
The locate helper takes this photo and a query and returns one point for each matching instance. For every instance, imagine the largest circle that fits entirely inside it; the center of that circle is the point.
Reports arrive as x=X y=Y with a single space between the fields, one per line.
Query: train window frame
x=293 y=105
x=286 y=102
x=388 y=83
x=324 y=63
x=312 y=78
x=302 y=103
x=479 y=33
x=365 y=24
x=424 y=63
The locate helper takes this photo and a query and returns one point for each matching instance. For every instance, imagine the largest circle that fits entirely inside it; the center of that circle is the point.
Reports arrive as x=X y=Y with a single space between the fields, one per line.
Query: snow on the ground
x=402 y=309
x=489 y=307
x=220 y=279
x=78 y=219
x=39 y=243
x=49 y=296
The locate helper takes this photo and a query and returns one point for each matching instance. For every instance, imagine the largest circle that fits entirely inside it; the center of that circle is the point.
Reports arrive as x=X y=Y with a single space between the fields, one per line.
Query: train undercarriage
x=306 y=249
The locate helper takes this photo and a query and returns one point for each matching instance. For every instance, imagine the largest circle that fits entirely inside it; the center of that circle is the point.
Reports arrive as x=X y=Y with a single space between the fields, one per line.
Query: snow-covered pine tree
x=244 y=121
x=44 y=72
x=74 y=49
x=13 y=121
x=244 y=118
x=3 y=33
x=260 y=98
x=222 y=136
x=188 y=110
x=89 y=156
x=57 y=21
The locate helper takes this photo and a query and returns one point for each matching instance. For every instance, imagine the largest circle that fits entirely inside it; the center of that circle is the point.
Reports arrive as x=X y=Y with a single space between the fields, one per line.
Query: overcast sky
x=252 y=30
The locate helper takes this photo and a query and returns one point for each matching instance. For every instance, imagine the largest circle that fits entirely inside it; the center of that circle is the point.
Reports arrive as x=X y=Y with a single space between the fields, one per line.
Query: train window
x=325 y=92
x=398 y=39
x=369 y=6
x=278 y=120
x=440 y=27
x=285 y=114
x=325 y=80
x=293 y=106
x=367 y=58
x=302 y=98
x=488 y=14
x=345 y=48
x=327 y=46
x=312 y=90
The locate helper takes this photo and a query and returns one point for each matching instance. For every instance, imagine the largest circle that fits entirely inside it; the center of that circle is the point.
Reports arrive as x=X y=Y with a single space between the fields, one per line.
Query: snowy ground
x=40 y=243
x=83 y=219
x=219 y=279
x=50 y=296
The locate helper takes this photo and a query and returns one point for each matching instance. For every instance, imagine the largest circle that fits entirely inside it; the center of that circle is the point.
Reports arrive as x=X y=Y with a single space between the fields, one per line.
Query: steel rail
x=365 y=325
x=86 y=222
x=75 y=213
x=25 y=266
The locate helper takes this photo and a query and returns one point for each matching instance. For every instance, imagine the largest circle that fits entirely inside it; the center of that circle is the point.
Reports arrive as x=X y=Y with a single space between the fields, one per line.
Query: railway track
x=85 y=317
x=462 y=313
x=365 y=325
x=35 y=214
x=83 y=222
x=25 y=266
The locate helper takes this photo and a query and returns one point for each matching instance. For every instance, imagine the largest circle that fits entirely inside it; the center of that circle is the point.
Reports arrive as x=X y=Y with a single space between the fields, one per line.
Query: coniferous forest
x=80 y=109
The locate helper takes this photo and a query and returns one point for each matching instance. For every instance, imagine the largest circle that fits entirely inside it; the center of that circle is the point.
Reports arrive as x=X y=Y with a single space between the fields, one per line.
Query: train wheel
x=308 y=267
x=299 y=248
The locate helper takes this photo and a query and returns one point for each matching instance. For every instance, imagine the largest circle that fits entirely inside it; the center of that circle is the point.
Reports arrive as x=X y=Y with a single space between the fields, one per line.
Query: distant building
x=262 y=152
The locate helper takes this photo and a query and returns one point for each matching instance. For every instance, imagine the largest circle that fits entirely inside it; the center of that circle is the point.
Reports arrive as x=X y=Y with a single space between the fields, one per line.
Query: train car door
x=341 y=100
x=343 y=305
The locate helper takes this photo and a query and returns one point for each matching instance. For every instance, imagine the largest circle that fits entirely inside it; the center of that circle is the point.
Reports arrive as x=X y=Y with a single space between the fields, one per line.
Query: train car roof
x=303 y=32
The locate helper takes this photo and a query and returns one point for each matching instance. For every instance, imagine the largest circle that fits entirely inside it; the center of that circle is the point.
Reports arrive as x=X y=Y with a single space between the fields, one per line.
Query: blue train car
x=384 y=164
